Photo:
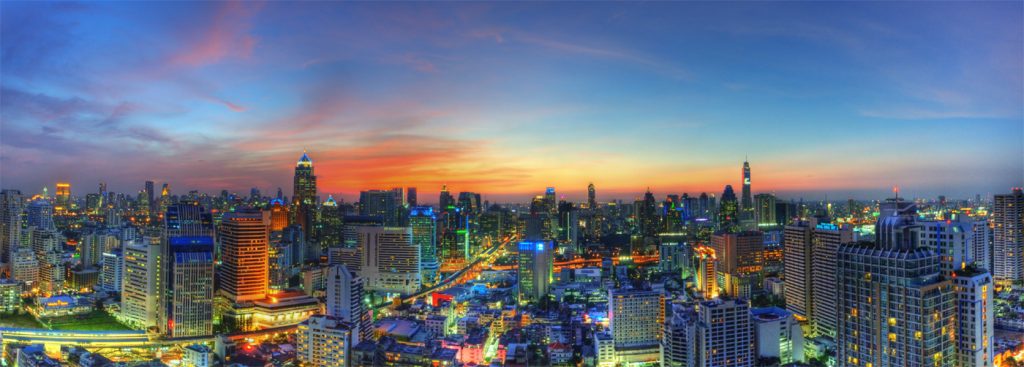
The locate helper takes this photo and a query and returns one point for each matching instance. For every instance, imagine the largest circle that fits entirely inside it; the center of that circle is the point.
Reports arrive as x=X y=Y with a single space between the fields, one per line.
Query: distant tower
x=746 y=202
x=535 y=270
x=728 y=210
x=304 y=193
x=591 y=196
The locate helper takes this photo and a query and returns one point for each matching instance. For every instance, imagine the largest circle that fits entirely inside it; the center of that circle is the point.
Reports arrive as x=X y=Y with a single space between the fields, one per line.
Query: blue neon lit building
x=536 y=264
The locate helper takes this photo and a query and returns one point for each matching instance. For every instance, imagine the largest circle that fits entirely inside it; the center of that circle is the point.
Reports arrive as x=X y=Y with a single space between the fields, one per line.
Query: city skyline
x=506 y=99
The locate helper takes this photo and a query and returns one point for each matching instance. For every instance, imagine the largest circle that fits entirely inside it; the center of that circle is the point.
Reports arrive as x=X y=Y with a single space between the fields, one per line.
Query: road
x=453 y=279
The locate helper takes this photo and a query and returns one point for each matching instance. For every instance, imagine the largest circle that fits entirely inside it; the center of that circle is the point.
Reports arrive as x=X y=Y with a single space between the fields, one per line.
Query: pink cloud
x=225 y=36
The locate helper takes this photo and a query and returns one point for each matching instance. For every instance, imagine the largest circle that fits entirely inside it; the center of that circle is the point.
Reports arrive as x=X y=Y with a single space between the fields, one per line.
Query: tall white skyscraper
x=140 y=298
x=345 y=301
x=826 y=241
x=636 y=319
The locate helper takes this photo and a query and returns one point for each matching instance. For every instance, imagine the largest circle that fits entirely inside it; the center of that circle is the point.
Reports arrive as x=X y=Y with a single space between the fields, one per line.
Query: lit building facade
x=536 y=265
x=244 y=244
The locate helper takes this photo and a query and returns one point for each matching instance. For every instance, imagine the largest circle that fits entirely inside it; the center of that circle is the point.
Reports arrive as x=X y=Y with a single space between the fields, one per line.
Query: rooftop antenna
x=896 y=189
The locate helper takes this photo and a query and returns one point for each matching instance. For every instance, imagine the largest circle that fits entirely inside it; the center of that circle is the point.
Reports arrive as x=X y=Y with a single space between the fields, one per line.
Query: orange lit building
x=244 y=242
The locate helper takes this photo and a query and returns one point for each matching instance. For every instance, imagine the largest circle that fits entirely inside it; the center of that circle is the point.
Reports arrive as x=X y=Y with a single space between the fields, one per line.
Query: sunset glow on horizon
x=838 y=99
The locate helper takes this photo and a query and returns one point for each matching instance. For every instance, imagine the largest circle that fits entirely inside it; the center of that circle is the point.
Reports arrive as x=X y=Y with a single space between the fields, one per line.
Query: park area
x=93 y=321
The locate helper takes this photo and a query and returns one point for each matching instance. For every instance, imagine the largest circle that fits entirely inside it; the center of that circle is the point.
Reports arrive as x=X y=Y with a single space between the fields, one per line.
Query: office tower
x=975 y=317
x=591 y=197
x=188 y=262
x=550 y=200
x=10 y=296
x=725 y=334
x=674 y=253
x=424 y=235
x=112 y=271
x=679 y=345
x=383 y=204
x=345 y=301
x=764 y=210
x=304 y=194
x=728 y=211
x=62 y=196
x=706 y=271
x=785 y=212
x=746 y=204
x=389 y=260
x=1008 y=236
x=149 y=192
x=140 y=296
x=39 y=214
x=897 y=309
x=279 y=214
x=351 y=225
x=826 y=239
x=741 y=259
x=636 y=319
x=244 y=245
x=324 y=341
x=777 y=334
x=568 y=226
x=470 y=202
x=445 y=201
x=797 y=251
x=330 y=224
x=410 y=197
x=952 y=240
x=453 y=246
x=536 y=263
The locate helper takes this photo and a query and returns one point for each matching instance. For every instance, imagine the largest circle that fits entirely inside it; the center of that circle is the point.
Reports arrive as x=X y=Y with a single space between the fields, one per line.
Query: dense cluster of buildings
x=390 y=280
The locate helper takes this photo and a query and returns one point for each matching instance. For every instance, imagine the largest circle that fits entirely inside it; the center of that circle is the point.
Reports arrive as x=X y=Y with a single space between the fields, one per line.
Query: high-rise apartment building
x=896 y=307
x=725 y=334
x=825 y=248
x=797 y=251
x=324 y=341
x=1008 y=236
x=141 y=283
x=244 y=246
x=679 y=345
x=345 y=301
x=636 y=319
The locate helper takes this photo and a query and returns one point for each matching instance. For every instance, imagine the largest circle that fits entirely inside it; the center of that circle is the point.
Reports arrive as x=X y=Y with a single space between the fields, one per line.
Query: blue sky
x=838 y=99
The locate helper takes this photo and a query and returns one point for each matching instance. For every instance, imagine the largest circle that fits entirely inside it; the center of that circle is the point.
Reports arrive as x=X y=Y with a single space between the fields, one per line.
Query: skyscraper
x=304 y=199
x=149 y=192
x=383 y=204
x=188 y=300
x=345 y=301
x=410 y=197
x=1008 y=236
x=825 y=248
x=389 y=261
x=591 y=197
x=764 y=210
x=728 y=210
x=897 y=309
x=746 y=204
x=244 y=245
x=636 y=319
x=679 y=345
x=424 y=235
x=797 y=251
x=62 y=196
x=741 y=256
x=536 y=263
x=11 y=202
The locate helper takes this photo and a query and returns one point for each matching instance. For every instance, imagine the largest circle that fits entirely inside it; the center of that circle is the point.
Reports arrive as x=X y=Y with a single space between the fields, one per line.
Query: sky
x=824 y=99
